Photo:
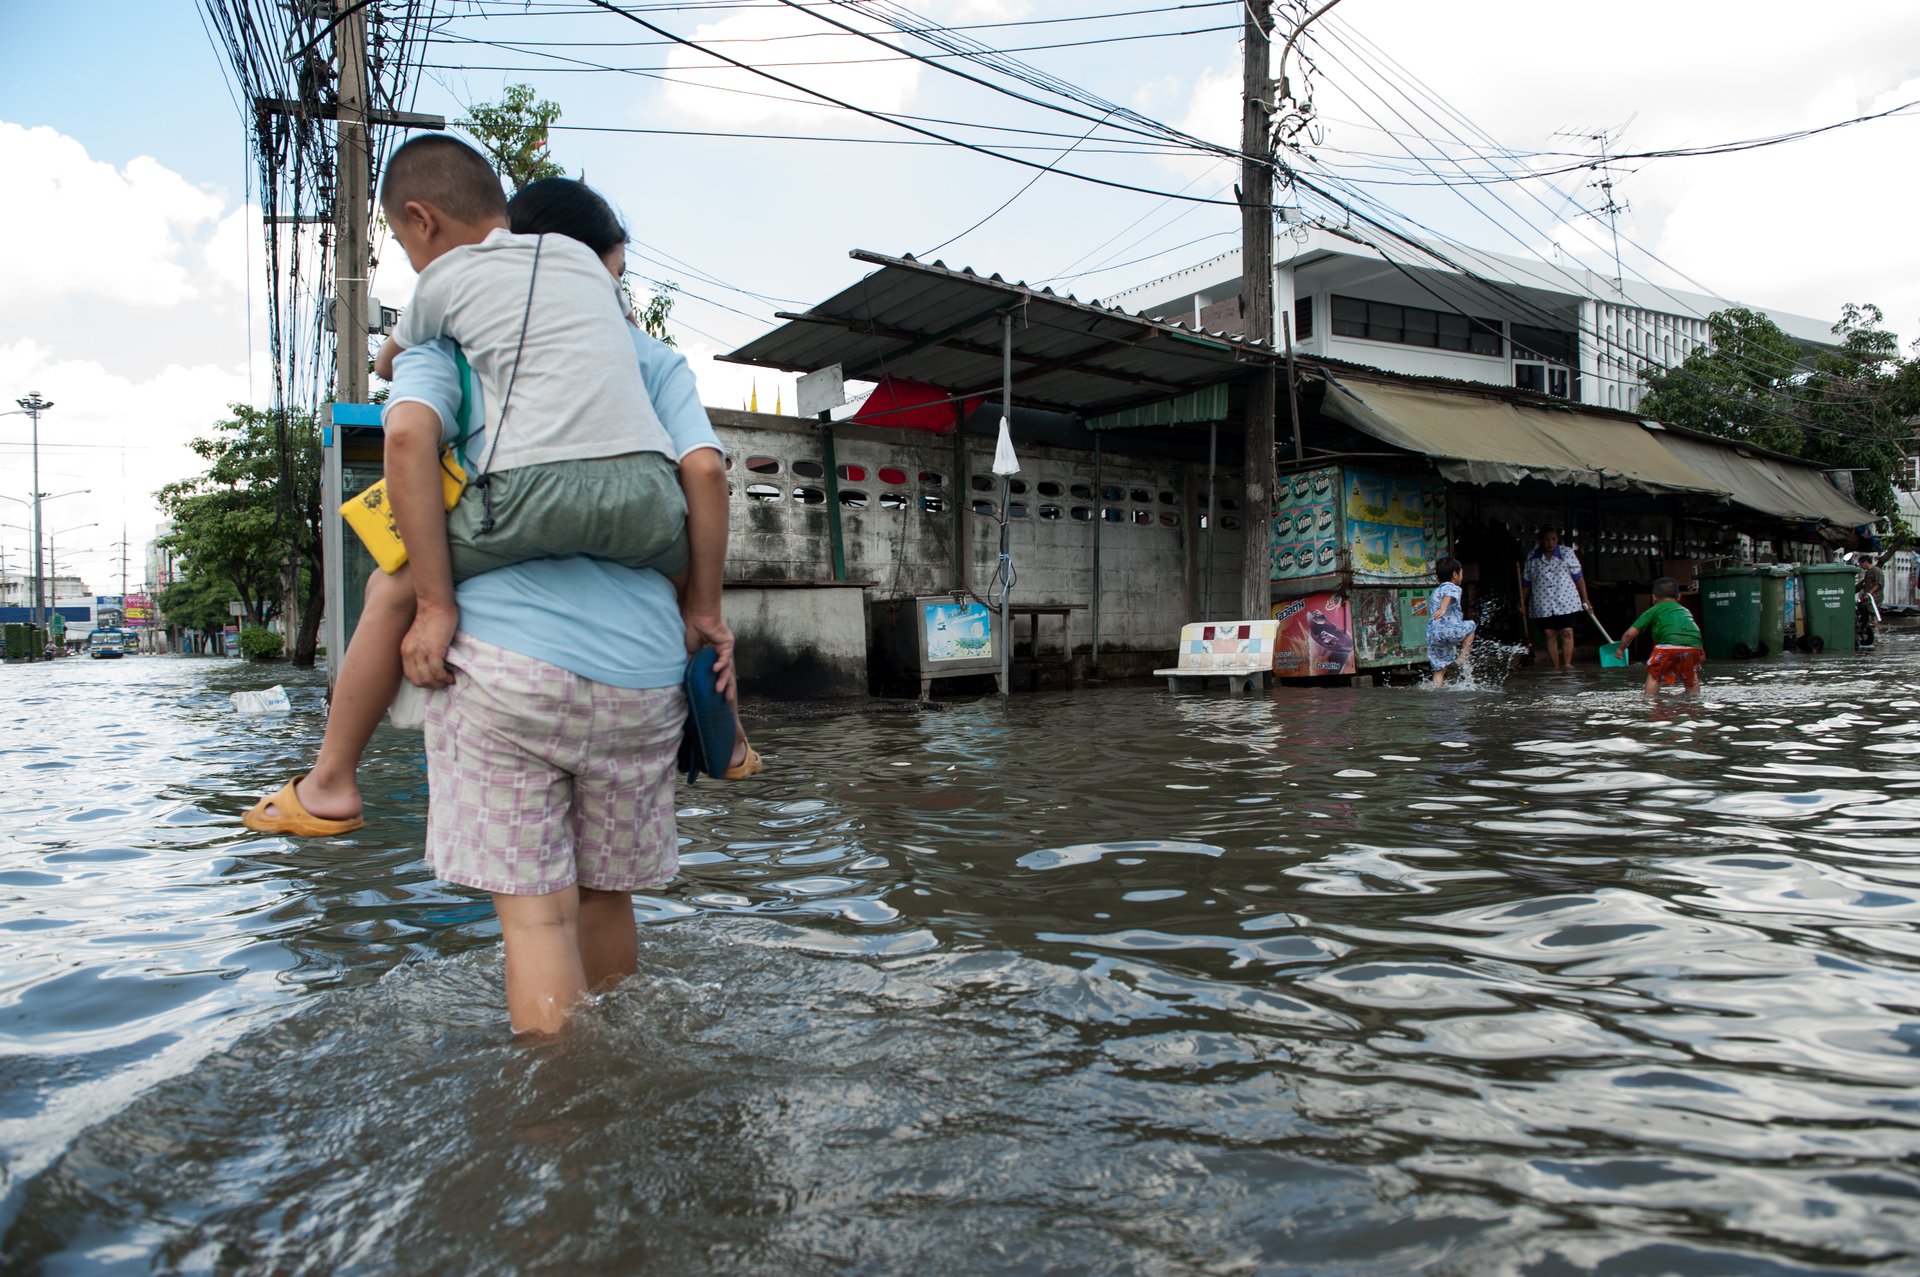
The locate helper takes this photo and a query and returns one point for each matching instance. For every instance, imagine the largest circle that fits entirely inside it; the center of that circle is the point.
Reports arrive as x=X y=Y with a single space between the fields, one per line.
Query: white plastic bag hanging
x=409 y=709
x=1004 y=462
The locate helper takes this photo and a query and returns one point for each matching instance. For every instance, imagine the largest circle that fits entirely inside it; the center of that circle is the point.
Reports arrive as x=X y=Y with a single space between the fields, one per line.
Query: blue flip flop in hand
x=707 y=747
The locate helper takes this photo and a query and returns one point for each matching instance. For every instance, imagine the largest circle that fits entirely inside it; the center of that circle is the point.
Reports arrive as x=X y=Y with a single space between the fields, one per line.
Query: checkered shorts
x=539 y=779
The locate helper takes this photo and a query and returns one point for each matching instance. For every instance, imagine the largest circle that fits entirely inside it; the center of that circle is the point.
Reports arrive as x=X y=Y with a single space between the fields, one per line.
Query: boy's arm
x=424 y=320
x=1626 y=640
x=703 y=477
x=413 y=486
x=383 y=362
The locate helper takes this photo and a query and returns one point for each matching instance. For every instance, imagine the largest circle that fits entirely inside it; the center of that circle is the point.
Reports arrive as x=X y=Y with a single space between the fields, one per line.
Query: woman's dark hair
x=563 y=206
x=1445 y=568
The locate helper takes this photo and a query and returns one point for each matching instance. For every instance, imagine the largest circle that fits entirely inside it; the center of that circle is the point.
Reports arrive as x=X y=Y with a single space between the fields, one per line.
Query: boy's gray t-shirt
x=578 y=393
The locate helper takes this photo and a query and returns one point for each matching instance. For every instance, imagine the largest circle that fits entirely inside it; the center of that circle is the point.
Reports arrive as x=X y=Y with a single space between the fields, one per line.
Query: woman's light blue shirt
x=615 y=625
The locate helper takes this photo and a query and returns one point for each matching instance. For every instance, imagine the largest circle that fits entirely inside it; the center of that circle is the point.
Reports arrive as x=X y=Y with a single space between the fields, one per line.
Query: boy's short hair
x=1665 y=587
x=1445 y=568
x=446 y=173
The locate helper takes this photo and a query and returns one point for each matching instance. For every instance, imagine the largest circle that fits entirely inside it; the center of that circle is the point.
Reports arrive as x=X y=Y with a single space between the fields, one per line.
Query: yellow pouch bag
x=370 y=514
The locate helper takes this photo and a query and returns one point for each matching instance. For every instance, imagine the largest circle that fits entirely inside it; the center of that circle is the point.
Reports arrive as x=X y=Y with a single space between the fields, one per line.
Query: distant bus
x=130 y=642
x=108 y=644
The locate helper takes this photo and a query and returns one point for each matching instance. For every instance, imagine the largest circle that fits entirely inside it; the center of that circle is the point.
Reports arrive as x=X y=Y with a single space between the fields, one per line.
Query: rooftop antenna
x=1610 y=208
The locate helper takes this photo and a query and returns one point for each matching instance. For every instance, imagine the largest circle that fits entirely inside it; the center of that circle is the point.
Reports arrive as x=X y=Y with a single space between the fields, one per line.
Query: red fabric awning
x=912 y=405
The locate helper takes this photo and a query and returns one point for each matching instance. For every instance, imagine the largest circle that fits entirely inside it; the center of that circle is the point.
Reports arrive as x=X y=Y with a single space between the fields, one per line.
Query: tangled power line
x=1414 y=137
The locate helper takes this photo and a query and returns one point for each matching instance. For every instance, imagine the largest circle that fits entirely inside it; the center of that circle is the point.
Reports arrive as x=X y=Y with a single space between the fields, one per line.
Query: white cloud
x=1804 y=226
x=118 y=437
x=75 y=227
x=709 y=91
x=989 y=10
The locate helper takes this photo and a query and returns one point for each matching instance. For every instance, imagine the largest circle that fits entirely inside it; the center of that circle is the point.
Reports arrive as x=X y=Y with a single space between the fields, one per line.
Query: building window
x=1415 y=326
x=1543 y=378
x=1547 y=344
x=1302 y=318
x=1910 y=474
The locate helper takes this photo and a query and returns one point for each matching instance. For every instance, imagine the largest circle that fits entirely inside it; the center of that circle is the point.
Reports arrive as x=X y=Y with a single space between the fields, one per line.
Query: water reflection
x=1538 y=977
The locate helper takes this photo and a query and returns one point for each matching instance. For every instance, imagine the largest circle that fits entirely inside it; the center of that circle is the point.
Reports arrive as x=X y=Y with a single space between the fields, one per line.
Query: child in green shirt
x=1677 y=654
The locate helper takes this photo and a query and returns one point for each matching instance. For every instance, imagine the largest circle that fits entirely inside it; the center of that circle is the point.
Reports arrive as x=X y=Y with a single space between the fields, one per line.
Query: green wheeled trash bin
x=1773 y=607
x=1730 y=613
x=1828 y=589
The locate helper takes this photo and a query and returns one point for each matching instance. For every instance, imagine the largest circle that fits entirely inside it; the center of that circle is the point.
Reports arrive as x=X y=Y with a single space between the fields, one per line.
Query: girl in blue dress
x=1449 y=634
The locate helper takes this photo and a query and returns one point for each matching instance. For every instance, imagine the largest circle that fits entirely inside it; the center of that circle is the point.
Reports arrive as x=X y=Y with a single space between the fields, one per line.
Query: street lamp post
x=33 y=405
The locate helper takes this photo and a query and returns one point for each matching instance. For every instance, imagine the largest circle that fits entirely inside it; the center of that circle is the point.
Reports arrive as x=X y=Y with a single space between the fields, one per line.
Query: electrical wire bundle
x=1336 y=188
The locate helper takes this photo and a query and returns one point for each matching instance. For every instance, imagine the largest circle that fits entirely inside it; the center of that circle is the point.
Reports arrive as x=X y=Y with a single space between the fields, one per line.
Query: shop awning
x=1482 y=439
x=1771 y=485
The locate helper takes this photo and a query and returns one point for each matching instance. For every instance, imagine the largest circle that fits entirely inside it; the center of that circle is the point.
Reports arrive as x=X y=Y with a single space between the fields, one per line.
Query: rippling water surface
x=1540 y=978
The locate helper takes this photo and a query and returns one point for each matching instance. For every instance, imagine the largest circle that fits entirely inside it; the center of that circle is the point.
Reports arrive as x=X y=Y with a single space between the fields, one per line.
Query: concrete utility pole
x=122 y=544
x=1256 y=283
x=33 y=405
x=352 y=206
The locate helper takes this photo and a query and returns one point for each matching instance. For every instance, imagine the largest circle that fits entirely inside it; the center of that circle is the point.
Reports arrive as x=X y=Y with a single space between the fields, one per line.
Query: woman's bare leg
x=544 y=977
x=609 y=941
x=369 y=676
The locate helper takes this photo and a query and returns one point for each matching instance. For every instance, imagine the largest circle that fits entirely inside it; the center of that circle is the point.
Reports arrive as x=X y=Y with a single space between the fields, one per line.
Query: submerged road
x=1539 y=977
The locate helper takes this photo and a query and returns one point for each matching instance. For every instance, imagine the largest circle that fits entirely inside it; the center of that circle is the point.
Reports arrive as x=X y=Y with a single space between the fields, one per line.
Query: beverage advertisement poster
x=1305 y=535
x=1388 y=527
x=1315 y=637
x=958 y=631
x=1389 y=624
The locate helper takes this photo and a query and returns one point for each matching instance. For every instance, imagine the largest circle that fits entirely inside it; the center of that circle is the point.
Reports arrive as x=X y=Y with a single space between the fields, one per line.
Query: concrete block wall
x=896 y=489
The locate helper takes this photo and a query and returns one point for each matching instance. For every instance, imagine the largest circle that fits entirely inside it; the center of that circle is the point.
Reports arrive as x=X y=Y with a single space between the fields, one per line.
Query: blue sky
x=131 y=277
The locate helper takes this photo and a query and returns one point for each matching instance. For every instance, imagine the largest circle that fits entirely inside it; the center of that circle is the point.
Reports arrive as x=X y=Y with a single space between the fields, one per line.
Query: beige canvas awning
x=1771 y=485
x=1482 y=439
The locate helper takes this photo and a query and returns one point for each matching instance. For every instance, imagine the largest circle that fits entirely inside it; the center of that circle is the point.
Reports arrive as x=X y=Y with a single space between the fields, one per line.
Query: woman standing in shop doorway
x=1554 y=594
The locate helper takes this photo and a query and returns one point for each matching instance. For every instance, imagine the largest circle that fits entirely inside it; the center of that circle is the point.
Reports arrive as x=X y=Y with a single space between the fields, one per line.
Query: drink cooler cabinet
x=1352 y=559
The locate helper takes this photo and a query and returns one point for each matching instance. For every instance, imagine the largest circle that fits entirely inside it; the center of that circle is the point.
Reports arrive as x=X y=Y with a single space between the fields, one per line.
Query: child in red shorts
x=1677 y=654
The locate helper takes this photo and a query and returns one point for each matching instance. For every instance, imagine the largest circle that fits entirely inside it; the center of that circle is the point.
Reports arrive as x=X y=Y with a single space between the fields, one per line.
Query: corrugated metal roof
x=1203 y=405
x=931 y=323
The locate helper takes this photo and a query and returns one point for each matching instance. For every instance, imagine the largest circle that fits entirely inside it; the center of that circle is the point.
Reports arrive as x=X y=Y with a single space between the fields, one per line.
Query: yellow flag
x=753 y=404
x=776 y=400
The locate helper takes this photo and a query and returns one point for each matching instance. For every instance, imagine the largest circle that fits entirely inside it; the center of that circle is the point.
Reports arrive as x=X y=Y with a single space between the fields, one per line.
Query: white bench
x=1241 y=652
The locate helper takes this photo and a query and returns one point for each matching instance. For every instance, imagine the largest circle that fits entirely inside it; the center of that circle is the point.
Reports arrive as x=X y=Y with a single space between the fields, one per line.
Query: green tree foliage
x=257 y=644
x=513 y=133
x=197 y=602
x=249 y=527
x=1845 y=408
x=653 y=312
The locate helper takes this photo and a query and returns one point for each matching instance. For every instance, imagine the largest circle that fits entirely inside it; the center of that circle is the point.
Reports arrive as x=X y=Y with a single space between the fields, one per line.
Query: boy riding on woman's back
x=575 y=460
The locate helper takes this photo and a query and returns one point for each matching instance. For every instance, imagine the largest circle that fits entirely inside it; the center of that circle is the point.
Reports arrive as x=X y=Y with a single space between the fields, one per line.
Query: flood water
x=1536 y=978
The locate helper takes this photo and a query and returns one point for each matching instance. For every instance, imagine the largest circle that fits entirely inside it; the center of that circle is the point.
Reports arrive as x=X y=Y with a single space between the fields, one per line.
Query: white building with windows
x=162 y=564
x=1557 y=328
